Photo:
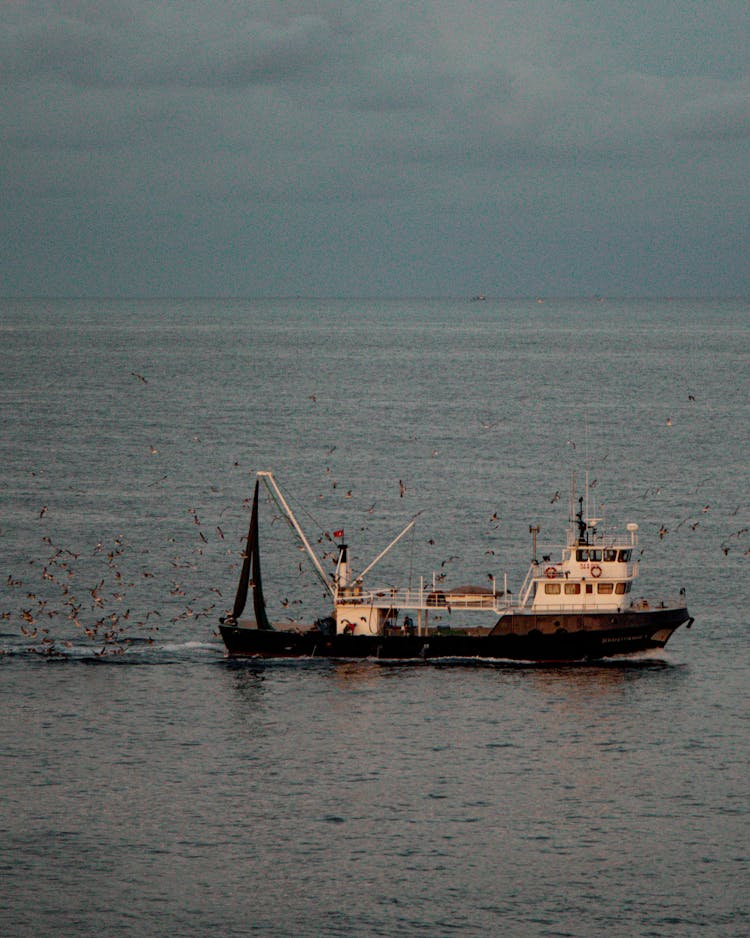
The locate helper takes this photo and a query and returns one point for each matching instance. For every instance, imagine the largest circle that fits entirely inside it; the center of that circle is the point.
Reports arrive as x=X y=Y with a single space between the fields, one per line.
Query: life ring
x=550 y=573
x=596 y=570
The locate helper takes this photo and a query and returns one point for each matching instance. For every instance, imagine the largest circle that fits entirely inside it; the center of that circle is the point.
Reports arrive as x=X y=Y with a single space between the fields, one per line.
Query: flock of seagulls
x=103 y=607
x=98 y=610
x=95 y=611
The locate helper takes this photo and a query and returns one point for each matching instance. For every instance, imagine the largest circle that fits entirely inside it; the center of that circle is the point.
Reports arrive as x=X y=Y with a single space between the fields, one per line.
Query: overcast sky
x=375 y=148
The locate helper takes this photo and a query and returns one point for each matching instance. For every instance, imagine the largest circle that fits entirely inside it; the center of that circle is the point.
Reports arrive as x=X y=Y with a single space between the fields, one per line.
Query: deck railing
x=427 y=598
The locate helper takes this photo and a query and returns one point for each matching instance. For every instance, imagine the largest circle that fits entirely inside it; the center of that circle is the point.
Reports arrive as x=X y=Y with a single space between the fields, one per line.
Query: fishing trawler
x=575 y=608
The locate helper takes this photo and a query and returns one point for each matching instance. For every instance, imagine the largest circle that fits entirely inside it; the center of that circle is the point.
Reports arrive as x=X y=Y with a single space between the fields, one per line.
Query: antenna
x=586 y=504
x=572 y=507
x=587 y=462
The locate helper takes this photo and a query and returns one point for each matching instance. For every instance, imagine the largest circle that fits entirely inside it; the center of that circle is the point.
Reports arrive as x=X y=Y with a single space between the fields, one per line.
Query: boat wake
x=623 y=662
x=135 y=651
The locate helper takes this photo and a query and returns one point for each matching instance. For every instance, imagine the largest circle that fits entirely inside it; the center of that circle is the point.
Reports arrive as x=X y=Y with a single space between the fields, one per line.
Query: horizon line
x=535 y=297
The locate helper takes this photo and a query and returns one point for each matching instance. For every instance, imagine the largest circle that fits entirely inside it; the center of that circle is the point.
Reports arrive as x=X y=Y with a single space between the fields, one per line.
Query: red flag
x=338 y=533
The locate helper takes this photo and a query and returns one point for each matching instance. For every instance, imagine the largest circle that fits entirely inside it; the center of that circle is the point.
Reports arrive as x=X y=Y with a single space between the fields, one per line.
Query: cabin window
x=621 y=588
x=595 y=555
x=605 y=587
x=553 y=588
x=572 y=589
x=625 y=555
x=610 y=555
x=589 y=588
x=582 y=554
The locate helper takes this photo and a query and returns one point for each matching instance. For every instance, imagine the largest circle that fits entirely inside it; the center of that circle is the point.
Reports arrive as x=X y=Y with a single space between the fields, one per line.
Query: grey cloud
x=721 y=114
x=525 y=120
x=167 y=51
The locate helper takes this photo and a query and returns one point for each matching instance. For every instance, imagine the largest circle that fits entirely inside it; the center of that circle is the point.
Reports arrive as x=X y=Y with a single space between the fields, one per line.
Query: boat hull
x=575 y=638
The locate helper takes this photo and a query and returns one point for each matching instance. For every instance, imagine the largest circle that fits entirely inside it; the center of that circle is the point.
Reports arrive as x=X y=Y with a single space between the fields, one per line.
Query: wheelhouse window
x=572 y=589
x=610 y=554
x=552 y=588
x=624 y=556
x=605 y=587
x=582 y=554
x=595 y=555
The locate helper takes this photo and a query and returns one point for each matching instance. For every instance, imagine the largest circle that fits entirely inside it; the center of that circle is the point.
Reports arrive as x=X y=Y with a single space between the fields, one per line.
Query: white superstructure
x=592 y=573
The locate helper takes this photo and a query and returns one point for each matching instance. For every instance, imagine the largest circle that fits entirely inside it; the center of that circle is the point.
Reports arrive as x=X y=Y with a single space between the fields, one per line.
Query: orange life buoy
x=551 y=573
x=596 y=570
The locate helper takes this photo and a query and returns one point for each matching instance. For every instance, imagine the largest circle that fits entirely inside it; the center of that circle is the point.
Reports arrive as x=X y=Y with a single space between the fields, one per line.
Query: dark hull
x=523 y=638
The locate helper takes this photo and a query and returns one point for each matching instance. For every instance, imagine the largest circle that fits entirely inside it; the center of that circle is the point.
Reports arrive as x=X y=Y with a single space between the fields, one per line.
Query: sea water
x=151 y=786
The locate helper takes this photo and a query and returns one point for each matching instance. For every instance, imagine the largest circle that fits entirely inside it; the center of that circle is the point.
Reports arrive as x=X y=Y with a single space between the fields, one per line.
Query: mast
x=282 y=503
x=572 y=520
x=343 y=574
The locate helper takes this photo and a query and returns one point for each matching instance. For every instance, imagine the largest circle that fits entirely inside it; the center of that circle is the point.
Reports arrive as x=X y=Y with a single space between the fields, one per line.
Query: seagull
x=139 y=377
